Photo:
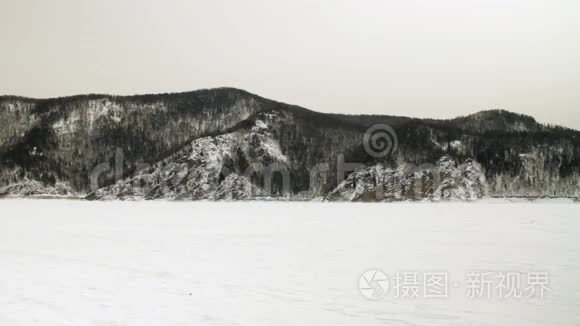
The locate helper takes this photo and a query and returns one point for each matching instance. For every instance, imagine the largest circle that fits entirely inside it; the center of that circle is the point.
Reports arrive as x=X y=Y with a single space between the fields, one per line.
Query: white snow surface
x=68 y=262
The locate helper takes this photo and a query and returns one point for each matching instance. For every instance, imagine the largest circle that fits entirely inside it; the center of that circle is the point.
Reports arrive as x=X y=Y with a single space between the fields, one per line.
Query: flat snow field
x=67 y=262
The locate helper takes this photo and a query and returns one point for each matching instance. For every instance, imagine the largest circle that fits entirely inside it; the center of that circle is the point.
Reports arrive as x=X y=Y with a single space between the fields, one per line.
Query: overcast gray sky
x=407 y=57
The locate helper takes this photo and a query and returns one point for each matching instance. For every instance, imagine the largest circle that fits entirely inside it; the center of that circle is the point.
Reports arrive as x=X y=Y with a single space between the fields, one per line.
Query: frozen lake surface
x=158 y=263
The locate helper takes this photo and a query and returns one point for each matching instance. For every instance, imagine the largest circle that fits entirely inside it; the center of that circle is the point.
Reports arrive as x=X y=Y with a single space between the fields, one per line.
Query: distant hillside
x=76 y=145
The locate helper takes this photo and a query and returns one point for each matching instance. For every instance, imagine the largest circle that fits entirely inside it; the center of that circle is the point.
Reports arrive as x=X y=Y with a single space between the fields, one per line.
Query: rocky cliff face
x=230 y=144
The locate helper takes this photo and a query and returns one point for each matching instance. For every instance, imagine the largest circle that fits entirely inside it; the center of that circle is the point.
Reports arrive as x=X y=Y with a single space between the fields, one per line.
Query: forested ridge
x=62 y=140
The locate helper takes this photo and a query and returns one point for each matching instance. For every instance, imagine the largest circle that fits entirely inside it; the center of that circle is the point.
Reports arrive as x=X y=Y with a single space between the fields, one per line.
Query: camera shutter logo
x=373 y=284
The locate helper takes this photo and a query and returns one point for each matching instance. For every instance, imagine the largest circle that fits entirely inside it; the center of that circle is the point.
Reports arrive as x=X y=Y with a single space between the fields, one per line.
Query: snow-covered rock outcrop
x=228 y=166
x=35 y=188
x=442 y=181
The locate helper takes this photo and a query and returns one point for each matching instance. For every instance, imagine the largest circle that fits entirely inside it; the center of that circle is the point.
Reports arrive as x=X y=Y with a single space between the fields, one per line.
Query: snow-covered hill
x=230 y=144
